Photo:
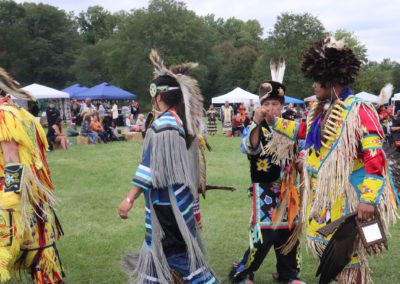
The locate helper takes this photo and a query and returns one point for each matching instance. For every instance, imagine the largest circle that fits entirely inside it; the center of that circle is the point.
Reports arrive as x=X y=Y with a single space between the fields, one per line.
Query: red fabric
x=374 y=160
x=374 y=163
x=301 y=134
x=237 y=120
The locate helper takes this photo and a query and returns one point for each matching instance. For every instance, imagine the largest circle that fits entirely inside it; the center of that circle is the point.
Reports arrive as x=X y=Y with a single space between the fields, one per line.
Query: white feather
x=385 y=94
x=281 y=70
x=274 y=72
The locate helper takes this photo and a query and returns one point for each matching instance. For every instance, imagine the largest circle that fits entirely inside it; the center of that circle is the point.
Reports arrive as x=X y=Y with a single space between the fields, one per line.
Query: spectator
x=88 y=108
x=60 y=137
x=135 y=109
x=52 y=115
x=72 y=131
x=114 y=133
x=242 y=110
x=226 y=113
x=75 y=110
x=395 y=130
x=129 y=122
x=140 y=121
x=212 y=120
x=114 y=111
x=251 y=107
x=86 y=131
x=101 y=112
x=237 y=124
x=96 y=126
x=34 y=109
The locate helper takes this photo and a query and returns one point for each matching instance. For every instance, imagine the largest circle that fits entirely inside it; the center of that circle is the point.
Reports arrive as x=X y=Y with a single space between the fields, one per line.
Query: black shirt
x=261 y=168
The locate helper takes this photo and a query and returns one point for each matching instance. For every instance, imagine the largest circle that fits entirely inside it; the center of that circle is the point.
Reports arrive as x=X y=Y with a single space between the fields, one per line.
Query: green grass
x=92 y=180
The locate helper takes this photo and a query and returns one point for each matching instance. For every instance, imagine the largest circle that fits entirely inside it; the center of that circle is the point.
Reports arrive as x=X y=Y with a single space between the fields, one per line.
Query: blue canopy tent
x=104 y=91
x=290 y=100
x=74 y=89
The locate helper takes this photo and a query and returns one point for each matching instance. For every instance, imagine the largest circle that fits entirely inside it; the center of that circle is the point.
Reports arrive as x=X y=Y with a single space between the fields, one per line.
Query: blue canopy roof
x=74 y=89
x=104 y=91
x=290 y=100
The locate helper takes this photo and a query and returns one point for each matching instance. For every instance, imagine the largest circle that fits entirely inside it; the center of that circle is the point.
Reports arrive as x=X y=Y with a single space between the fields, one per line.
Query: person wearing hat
x=345 y=168
x=169 y=178
x=274 y=195
x=28 y=224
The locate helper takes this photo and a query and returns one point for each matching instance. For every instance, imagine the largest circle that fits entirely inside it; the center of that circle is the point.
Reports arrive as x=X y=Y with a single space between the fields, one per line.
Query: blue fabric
x=290 y=100
x=180 y=263
x=75 y=89
x=313 y=138
x=104 y=91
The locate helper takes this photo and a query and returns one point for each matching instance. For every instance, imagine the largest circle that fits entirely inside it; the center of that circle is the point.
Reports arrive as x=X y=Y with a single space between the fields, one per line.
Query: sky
x=375 y=23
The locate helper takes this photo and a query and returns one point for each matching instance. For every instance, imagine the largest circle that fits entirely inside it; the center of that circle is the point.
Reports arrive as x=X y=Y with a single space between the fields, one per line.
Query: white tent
x=396 y=97
x=43 y=92
x=238 y=95
x=311 y=99
x=367 y=97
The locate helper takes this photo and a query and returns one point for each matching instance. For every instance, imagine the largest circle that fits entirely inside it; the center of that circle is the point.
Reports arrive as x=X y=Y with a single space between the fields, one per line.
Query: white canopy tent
x=367 y=97
x=238 y=95
x=396 y=97
x=43 y=92
x=311 y=99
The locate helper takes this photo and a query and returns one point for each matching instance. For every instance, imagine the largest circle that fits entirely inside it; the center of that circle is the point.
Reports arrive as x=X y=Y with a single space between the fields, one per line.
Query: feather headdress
x=385 y=94
x=330 y=61
x=191 y=93
x=277 y=72
x=11 y=87
x=274 y=89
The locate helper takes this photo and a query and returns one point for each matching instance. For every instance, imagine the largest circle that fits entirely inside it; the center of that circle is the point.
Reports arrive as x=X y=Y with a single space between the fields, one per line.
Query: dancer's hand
x=124 y=208
x=365 y=211
x=259 y=115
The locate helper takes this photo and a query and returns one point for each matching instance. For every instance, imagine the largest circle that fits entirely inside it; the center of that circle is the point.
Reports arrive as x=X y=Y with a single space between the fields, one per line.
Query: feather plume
x=8 y=85
x=158 y=64
x=183 y=69
x=274 y=73
x=192 y=96
x=281 y=70
x=385 y=94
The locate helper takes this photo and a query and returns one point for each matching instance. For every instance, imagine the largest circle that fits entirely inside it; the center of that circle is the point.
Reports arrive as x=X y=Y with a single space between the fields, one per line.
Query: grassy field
x=92 y=180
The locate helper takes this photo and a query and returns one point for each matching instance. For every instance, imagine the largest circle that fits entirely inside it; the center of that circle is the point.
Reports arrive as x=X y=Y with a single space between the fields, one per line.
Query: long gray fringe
x=169 y=160
x=140 y=265
x=196 y=256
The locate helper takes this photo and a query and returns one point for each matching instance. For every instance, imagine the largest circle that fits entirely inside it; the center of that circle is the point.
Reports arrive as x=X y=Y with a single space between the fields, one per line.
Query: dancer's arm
x=374 y=161
x=128 y=201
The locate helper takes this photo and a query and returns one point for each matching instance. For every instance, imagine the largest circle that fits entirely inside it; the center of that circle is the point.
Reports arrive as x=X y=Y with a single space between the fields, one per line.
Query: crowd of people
x=98 y=122
x=332 y=187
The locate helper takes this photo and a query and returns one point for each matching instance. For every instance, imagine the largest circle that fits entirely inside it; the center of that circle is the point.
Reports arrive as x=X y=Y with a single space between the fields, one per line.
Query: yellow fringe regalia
x=28 y=224
x=337 y=177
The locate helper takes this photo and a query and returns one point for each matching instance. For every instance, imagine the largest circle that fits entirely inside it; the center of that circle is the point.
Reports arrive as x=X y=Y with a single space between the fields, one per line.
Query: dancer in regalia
x=345 y=168
x=28 y=224
x=274 y=194
x=169 y=177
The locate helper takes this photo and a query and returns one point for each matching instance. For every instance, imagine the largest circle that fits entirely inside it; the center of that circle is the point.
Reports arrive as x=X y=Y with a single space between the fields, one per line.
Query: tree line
x=43 y=44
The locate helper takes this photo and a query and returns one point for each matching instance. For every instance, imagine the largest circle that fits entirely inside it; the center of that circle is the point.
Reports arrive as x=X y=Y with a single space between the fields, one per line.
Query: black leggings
x=287 y=266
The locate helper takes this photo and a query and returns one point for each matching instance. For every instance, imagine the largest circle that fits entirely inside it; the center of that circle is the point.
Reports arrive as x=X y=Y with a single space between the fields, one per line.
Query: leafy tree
x=292 y=34
x=96 y=24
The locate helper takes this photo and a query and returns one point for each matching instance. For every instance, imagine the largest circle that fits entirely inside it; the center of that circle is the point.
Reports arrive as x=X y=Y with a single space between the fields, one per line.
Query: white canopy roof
x=43 y=92
x=396 y=97
x=238 y=95
x=311 y=99
x=367 y=97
